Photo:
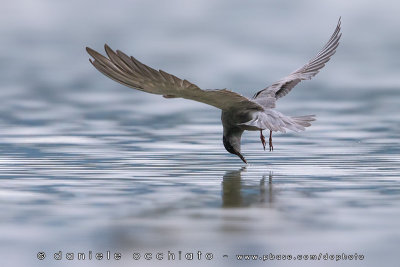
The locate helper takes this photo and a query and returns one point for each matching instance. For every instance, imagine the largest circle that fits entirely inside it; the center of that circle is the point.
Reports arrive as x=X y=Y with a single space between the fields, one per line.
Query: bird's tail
x=278 y=122
x=303 y=121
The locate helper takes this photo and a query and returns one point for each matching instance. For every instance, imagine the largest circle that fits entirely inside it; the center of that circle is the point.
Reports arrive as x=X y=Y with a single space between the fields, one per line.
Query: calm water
x=88 y=165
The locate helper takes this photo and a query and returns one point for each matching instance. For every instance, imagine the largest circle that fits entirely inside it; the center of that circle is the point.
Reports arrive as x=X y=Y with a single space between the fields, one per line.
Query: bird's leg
x=271 y=147
x=262 y=139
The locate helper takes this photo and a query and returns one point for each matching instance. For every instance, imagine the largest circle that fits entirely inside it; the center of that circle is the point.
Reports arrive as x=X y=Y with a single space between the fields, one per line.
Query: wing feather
x=131 y=72
x=309 y=70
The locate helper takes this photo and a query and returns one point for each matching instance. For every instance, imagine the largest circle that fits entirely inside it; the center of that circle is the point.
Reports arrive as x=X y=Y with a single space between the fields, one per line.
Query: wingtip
x=109 y=51
x=89 y=50
x=93 y=53
x=108 y=48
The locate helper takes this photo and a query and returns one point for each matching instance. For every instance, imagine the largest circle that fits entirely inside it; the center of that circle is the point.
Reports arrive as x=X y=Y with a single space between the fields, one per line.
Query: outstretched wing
x=309 y=70
x=132 y=73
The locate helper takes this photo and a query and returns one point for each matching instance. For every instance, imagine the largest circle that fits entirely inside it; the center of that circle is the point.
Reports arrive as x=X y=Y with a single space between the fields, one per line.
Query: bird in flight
x=239 y=113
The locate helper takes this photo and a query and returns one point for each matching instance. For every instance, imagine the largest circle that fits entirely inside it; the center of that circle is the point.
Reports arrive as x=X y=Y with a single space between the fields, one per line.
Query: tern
x=239 y=113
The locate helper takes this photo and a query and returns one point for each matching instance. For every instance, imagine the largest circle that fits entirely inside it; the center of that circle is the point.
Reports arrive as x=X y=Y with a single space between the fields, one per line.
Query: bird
x=239 y=113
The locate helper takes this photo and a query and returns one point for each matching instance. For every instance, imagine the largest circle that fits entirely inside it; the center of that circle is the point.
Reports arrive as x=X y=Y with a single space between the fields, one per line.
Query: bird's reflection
x=238 y=193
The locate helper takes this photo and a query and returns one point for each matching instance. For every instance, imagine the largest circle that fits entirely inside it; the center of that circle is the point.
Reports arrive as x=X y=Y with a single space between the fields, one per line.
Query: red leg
x=271 y=147
x=262 y=139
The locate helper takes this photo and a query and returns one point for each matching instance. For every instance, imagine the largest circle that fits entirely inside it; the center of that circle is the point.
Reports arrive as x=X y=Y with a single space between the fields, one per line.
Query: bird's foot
x=262 y=139
x=271 y=147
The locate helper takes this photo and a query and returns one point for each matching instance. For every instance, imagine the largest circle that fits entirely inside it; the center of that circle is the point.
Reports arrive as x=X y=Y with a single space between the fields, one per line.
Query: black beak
x=241 y=157
x=231 y=150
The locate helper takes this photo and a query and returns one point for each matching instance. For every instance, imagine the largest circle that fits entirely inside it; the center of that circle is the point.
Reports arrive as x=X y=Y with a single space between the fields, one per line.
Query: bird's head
x=232 y=145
